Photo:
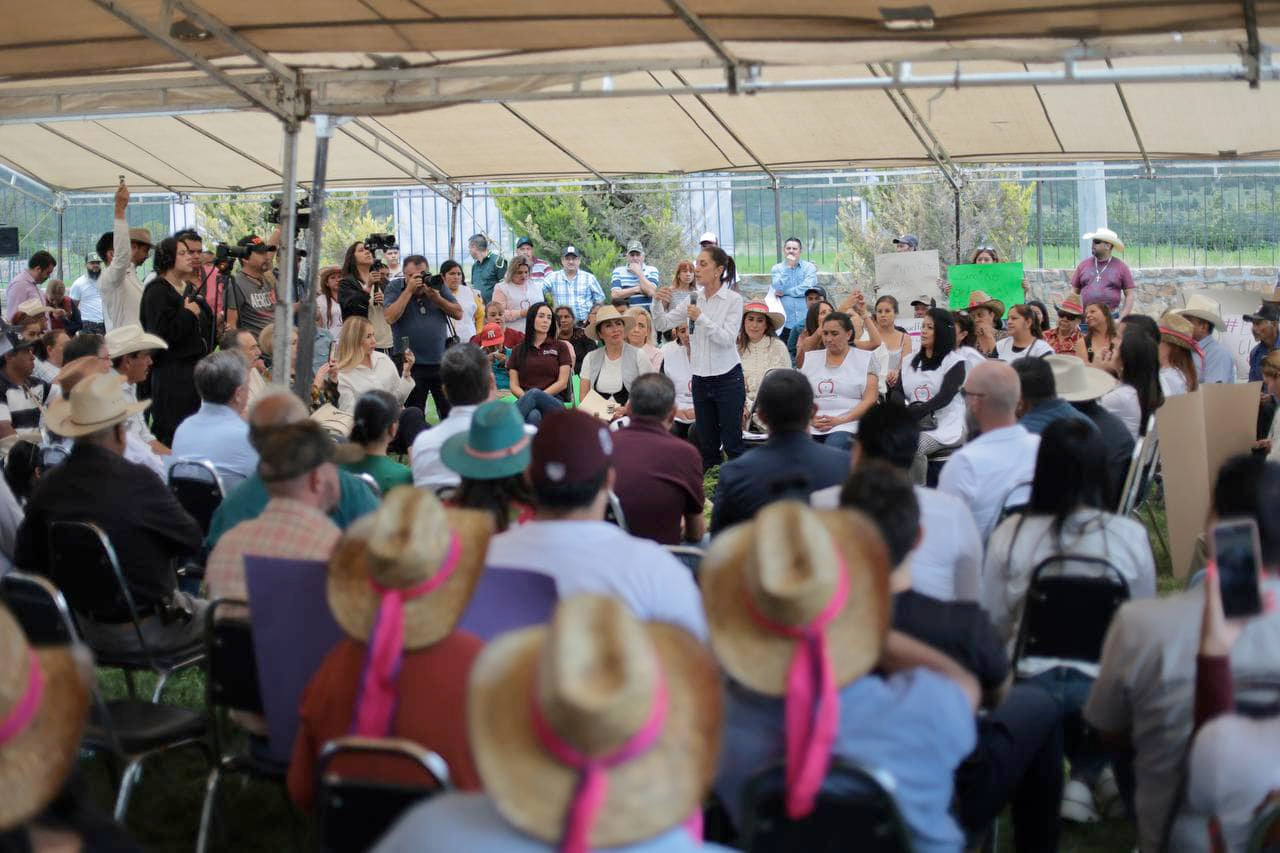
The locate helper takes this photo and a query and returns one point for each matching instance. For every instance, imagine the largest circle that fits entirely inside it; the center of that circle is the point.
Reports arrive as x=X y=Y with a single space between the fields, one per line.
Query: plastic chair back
x=355 y=809
x=855 y=810
x=40 y=609
x=507 y=600
x=689 y=555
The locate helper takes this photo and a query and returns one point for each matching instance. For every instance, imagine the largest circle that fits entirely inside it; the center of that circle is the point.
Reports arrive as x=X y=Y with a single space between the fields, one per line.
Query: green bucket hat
x=495 y=446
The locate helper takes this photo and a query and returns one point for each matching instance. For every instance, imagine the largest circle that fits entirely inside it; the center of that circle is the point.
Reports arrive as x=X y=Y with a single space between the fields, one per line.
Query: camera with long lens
x=377 y=244
x=302 y=207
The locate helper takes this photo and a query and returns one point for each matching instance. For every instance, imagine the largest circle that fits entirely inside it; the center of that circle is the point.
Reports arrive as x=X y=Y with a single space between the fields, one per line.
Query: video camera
x=225 y=256
x=378 y=243
x=302 y=207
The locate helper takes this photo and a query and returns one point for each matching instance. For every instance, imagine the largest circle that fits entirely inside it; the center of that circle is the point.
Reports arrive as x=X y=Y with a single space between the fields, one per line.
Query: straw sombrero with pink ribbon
x=399 y=580
x=597 y=730
x=797 y=605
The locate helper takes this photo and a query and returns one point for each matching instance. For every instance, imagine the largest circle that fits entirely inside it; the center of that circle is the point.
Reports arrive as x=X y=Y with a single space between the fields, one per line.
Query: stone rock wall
x=1159 y=288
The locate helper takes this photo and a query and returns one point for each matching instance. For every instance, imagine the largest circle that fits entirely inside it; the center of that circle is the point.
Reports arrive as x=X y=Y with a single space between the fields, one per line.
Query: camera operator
x=251 y=296
x=421 y=308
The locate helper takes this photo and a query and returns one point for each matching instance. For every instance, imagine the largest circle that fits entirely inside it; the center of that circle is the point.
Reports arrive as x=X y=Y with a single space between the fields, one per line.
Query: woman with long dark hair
x=328 y=305
x=810 y=337
x=1098 y=343
x=375 y=427
x=1069 y=514
x=1137 y=363
x=538 y=369
x=1025 y=336
x=930 y=388
x=361 y=292
x=1177 y=369
x=451 y=274
x=719 y=390
x=173 y=310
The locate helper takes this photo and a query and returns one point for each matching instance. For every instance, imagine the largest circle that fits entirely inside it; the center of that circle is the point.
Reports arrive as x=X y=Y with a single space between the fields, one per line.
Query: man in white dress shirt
x=947 y=562
x=124 y=248
x=994 y=470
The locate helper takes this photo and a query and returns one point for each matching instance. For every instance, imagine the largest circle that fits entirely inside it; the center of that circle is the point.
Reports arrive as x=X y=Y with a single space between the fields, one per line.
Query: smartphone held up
x=1237 y=551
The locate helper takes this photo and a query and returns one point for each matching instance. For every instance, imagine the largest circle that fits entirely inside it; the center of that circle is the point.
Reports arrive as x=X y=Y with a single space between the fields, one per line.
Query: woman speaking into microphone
x=714 y=313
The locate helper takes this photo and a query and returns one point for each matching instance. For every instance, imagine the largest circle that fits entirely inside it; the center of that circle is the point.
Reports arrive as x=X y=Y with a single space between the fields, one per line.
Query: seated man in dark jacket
x=789 y=465
x=147 y=526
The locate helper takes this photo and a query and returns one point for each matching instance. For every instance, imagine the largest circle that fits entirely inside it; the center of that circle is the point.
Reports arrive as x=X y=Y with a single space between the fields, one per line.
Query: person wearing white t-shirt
x=678 y=367
x=845 y=383
x=516 y=293
x=994 y=470
x=571 y=474
x=1024 y=336
x=930 y=387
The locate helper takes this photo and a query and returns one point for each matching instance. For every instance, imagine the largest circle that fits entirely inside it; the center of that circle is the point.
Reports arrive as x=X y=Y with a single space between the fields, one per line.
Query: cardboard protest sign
x=1237 y=338
x=1198 y=432
x=906 y=275
x=999 y=281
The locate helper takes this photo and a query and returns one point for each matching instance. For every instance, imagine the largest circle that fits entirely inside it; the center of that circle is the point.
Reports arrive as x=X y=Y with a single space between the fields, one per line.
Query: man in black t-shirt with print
x=251 y=293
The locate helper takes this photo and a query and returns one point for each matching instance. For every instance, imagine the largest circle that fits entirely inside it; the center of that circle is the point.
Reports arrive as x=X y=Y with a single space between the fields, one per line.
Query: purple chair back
x=293 y=630
x=509 y=599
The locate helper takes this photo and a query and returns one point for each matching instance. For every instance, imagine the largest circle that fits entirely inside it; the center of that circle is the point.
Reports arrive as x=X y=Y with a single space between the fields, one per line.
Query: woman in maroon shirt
x=539 y=368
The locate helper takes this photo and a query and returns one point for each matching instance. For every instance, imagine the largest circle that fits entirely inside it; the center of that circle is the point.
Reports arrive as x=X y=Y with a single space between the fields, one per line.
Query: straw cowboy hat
x=44 y=703
x=775 y=319
x=94 y=404
x=408 y=541
x=1076 y=381
x=979 y=299
x=1176 y=331
x=1203 y=308
x=641 y=699
x=123 y=340
x=785 y=565
x=77 y=370
x=1070 y=306
x=606 y=313
x=495 y=446
x=1106 y=235
x=33 y=308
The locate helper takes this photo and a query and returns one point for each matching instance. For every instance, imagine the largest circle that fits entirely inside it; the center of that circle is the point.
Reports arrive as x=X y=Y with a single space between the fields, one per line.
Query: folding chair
x=1257 y=695
x=613 y=512
x=353 y=810
x=83 y=563
x=368 y=480
x=197 y=486
x=53 y=455
x=1015 y=500
x=231 y=684
x=1264 y=836
x=689 y=555
x=507 y=600
x=1069 y=605
x=855 y=810
x=125 y=730
x=1141 y=470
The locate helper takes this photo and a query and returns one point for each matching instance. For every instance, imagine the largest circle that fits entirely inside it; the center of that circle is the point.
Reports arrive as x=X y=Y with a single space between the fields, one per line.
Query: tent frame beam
x=375 y=149
x=732 y=64
x=921 y=129
x=1133 y=128
x=612 y=185
x=113 y=161
x=283 y=107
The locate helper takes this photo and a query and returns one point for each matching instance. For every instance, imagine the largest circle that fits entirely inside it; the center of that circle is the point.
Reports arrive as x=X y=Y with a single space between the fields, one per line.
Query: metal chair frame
x=209 y=476
x=369 y=481
x=1108 y=574
x=614 y=513
x=690 y=555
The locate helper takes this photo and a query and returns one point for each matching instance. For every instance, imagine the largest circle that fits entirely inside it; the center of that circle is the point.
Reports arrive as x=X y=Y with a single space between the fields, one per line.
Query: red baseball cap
x=570 y=447
x=491 y=334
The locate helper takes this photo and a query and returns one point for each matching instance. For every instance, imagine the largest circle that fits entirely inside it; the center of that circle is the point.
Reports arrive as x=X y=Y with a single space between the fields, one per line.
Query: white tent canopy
x=188 y=97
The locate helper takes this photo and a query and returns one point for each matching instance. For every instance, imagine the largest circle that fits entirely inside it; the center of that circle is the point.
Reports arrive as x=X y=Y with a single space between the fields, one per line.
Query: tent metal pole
x=957 y=197
x=61 y=207
x=777 y=218
x=454 y=225
x=280 y=356
x=315 y=241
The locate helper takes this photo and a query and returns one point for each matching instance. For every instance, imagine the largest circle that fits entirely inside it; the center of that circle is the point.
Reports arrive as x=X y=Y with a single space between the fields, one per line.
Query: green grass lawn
x=255 y=816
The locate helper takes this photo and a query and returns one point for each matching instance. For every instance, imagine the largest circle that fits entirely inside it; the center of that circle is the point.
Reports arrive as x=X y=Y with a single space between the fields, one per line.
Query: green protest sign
x=999 y=281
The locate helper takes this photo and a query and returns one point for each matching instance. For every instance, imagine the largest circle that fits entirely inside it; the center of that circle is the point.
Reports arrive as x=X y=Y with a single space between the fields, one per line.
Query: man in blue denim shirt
x=1266 y=326
x=791 y=279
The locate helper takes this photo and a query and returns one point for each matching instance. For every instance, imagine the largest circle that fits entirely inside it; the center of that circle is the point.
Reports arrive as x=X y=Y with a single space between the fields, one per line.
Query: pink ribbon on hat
x=21 y=714
x=593 y=784
x=812 y=705
x=376 y=699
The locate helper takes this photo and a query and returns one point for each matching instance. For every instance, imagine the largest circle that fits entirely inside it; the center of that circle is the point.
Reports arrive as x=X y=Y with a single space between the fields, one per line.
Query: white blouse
x=920 y=386
x=838 y=389
x=466 y=327
x=514 y=297
x=1172 y=382
x=675 y=363
x=1005 y=351
x=381 y=376
x=1122 y=401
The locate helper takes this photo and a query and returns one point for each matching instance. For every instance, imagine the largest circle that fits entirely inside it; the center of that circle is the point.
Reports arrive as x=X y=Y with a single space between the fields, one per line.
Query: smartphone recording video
x=1239 y=555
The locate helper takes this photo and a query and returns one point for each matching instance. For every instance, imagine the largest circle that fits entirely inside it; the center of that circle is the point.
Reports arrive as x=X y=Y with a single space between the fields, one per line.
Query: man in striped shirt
x=22 y=407
x=538 y=268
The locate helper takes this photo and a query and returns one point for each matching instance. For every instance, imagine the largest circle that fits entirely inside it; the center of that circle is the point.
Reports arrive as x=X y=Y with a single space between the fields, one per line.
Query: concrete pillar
x=1091 y=202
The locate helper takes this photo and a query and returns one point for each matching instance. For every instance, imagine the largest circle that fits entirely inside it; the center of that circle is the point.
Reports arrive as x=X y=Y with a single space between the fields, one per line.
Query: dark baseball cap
x=291 y=450
x=524 y=241
x=908 y=240
x=570 y=250
x=255 y=244
x=570 y=447
x=1267 y=312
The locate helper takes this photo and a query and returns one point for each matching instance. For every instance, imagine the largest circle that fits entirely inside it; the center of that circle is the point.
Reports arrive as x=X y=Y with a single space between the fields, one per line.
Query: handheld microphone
x=693 y=300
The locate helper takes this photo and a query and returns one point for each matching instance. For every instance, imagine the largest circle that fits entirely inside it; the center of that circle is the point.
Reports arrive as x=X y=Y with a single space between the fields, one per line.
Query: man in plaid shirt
x=572 y=286
x=296 y=464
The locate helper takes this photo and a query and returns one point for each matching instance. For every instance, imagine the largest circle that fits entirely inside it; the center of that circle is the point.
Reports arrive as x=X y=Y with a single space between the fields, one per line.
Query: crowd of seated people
x=854 y=590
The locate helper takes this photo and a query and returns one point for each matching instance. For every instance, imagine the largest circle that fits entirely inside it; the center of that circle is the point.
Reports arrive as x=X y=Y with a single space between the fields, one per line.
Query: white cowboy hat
x=1106 y=235
x=1203 y=308
x=94 y=405
x=123 y=340
x=33 y=308
x=1076 y=381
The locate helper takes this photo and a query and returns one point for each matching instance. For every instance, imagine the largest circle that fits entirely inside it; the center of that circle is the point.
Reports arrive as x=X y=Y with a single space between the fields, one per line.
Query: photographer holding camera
x=251 y=292
x=364 y=277
x=421 y=310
